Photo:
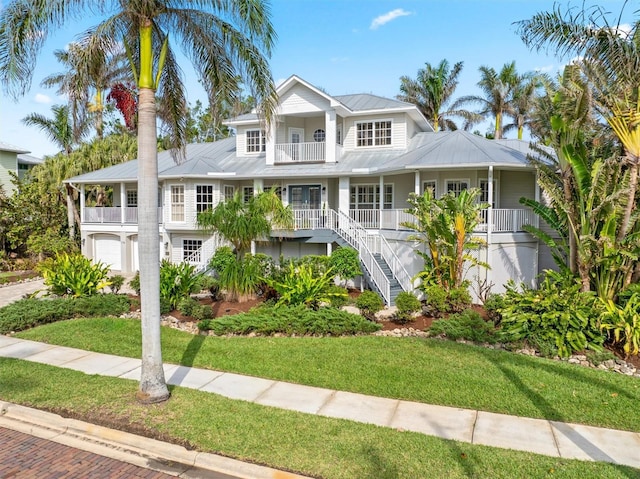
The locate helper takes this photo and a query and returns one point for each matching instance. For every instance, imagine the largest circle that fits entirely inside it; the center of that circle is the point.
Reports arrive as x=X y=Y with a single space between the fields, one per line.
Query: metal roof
x=24 y=159
x=12 y=148
x=366 y=101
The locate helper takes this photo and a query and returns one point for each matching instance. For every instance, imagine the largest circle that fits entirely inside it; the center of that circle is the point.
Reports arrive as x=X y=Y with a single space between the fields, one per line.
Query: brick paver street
x=28 y=457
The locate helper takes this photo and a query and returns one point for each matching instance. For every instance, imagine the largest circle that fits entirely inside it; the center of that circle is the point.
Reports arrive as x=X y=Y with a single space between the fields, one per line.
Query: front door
x=305 y=197
x=296 y=136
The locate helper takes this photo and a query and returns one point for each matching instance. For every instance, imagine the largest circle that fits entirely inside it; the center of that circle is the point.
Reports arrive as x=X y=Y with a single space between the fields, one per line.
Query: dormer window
x=256 y=141
x=318 y=135
x=373 y=133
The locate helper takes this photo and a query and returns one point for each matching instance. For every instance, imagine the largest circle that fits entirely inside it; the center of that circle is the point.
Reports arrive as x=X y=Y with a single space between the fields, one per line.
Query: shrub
x=339 y=295
x=467 y=325
x=300 y=285
x=345 y=263
x=441 y=301
x=407 y=304
x=298 y=320
x=459 y=298
x=134 y=283
x=115 y=283
x=557 y=312
x=28 y=313
x=202 y=311
x=622 y=324
x=221 y=259
x=187 y=305
x=207 y=282
x=493 y=304
x=369 y=304
x=177 y=281
x=73 y=275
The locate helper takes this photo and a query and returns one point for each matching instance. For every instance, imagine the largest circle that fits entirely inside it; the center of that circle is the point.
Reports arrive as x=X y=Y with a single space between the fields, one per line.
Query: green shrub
x=165 y=306
x=177 y=281
x=557 y=312
x=345 y=263
x=207 y=282
x=134 y=283
x=441 y=301
x=115 y=283
x=73 y=275
x=467 y=325
x=622 y=324
x=28 y=313
x=187 y=305
x=493 y=304
x=202 y=311
x=339 y=295
x=459 y=298
x=407 y=304
x=298 y=320
x=221 y=259
x=369 y=303
x=300 y=285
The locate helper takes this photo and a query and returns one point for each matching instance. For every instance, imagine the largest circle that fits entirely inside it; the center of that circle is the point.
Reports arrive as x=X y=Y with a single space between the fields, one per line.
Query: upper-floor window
x=319 y=135
x=132 y=198
x=256 y=141
x=228 y=191
x=367 y=197
x=373 y=133
x=457 y=186
x=204 y=197
x=177 y=203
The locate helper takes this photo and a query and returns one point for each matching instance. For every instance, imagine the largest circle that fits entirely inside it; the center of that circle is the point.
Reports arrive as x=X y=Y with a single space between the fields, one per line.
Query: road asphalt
x=551 y=438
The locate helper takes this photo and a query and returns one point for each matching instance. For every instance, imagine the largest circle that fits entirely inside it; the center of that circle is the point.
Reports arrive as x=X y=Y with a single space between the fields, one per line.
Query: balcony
x=312 y=152
x=114 y=214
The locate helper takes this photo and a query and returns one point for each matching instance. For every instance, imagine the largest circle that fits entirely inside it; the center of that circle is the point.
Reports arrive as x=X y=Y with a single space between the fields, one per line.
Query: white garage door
x=107 y=251
x=135 y=258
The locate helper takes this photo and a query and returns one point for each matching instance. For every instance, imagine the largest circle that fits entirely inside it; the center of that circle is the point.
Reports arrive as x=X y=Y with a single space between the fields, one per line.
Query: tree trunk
x=631 y=200
x=153 y=387
x=71 y=206
x=573 y=242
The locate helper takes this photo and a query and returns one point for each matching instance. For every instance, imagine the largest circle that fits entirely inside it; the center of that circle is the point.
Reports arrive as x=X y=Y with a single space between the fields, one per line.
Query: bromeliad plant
x=622 y=324
x=177 y=281
x=74 y=275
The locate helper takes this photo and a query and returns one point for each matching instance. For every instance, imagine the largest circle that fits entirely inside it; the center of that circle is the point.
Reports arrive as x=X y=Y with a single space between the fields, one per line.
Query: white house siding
x=209 y=245
x=300 y=99
x=403 y=186
x=398 y=130
x=514 y=185
x=513 y=260
x=8 y=162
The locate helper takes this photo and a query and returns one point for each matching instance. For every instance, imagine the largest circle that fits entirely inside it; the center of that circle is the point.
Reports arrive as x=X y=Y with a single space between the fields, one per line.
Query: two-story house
x=346 y=165
x=14 y=160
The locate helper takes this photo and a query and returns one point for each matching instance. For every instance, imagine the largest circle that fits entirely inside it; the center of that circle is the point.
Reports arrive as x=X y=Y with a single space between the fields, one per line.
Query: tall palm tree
x=525 y=92
x=497 y=99
x=223 y=39
x=610 y=58
x=431 y=92
x=84 y=79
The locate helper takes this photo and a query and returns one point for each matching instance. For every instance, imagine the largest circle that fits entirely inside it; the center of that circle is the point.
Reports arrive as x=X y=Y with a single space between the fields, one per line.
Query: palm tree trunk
x=71 y=220
x=631 y=200
x=153 y=387
x=498 y=131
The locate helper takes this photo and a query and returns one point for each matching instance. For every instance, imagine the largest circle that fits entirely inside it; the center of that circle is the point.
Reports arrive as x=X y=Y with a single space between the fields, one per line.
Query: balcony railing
x=311 y=152
x=113 y=214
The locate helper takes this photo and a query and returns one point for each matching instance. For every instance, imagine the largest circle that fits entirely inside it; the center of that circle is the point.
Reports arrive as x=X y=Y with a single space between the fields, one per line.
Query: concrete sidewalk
x=551 y=438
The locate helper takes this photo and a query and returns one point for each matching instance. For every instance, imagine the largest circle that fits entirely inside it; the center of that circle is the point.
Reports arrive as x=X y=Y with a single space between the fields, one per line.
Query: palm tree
x=525 y=93
x=497 y=100
x=610 y=59
x=431 y=91
x=224 y=40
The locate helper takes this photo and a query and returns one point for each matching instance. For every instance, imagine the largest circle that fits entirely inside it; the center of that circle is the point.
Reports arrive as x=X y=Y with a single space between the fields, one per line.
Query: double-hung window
x=132 y=198
x=373 y=133
x=204 y=197
x=367 y=197
x=431 y=186
x=484 y=192
x=247 y=193
x=177 y=203
x=457 y=186
x=256 y=141
x=229 y=191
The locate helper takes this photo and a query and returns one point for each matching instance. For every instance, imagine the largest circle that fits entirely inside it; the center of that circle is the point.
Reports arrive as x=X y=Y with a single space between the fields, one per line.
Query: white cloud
x=544 y=69
x=387 y=17
x=42 y=98
x=623 y=30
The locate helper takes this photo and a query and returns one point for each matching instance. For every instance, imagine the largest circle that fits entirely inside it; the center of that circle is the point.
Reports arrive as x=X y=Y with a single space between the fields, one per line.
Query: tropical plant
x=299 y=285
x=444 y=226
x=115 y=283
x=431 y=92
x=523 y=102
x=497 y=99
x=225 y=40
x=74 y=275
x=178 y=281
x=440 y=301
x=241 y=279
x=345 y=263
x=622 y=324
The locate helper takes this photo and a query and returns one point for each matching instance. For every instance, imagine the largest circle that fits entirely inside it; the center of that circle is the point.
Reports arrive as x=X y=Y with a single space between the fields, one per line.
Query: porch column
x=344 y=190
x=329 y=249
x=258 y=186
x=537 y=197
x=123 y=204
x=271 y=143
x=416 y=182
x=82 y=203
x=330 y=136
x=381 y=201
x=489 y=222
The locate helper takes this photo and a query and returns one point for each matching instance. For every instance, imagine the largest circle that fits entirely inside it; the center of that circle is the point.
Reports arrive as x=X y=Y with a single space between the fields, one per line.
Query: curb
x=126 y=447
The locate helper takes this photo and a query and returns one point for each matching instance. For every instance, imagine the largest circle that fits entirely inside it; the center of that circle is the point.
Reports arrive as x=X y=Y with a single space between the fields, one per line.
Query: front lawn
x=429 y=371
x=315 y=446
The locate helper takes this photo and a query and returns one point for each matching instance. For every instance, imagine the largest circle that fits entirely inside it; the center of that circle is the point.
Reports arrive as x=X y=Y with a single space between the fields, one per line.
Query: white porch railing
x=314 y=151
x=504 y=220
x=113 y=214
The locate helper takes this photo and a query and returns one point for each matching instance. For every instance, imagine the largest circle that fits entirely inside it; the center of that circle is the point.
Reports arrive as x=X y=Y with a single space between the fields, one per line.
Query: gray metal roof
x=12 y=148
x=447 y=149
x=366 y=101
x=24 y=159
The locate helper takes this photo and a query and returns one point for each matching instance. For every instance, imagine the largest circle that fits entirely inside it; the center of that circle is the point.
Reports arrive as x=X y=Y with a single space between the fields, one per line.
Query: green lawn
x=430 y=371
x=311 y=445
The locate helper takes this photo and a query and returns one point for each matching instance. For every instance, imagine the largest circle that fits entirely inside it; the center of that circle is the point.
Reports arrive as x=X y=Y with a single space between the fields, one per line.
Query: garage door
x=135 y=259
x=107 y=251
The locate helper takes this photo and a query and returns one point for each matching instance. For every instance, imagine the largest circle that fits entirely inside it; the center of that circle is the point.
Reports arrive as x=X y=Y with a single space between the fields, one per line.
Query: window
x=367 y=197
x=247 y=193
x=484 y=192
x=191 y=250
x=456 y=186
x=339 y=135
x=22 y=166
x=256 y=141
x=373 y=133
x=228 y=191
x=132 y=198
x=318 y=135
x=177 y=203
x=204 y=197
x=430 y=185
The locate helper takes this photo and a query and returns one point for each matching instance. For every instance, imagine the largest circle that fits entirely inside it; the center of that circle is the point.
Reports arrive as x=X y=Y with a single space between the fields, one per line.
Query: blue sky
x=347 y=46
